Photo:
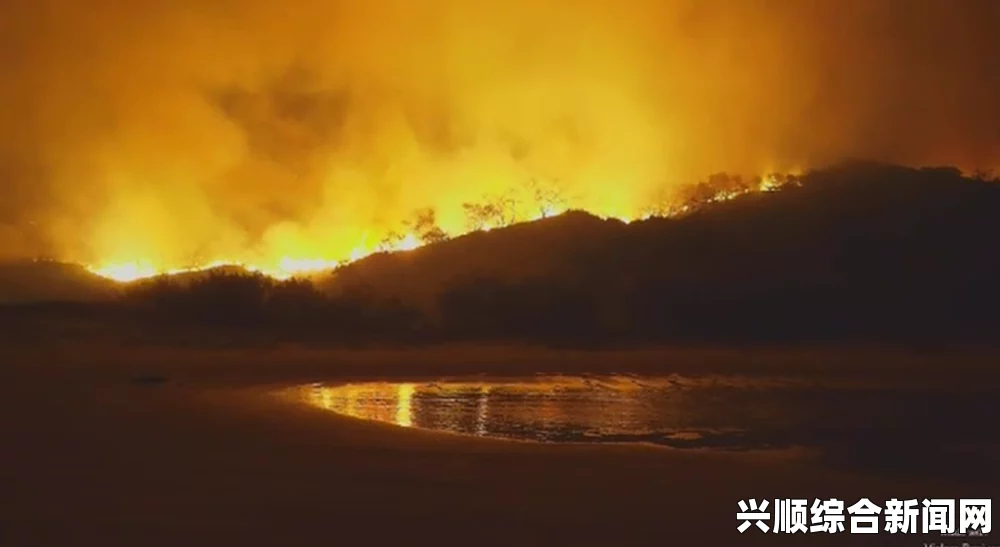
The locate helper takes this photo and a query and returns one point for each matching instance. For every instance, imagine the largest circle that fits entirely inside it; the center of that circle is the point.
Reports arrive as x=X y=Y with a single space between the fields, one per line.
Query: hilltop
x=861 y=243
x=546 y=248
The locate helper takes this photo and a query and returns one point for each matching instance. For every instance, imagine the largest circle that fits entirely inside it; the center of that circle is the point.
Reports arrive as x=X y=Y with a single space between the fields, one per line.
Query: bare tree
x=548 y=197
x=494 y=212
x=390 y=241
x=424 y=226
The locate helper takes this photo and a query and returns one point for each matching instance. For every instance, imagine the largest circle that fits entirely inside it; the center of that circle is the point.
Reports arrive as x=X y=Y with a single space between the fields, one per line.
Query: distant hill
x=46 y=281
x=31 y=281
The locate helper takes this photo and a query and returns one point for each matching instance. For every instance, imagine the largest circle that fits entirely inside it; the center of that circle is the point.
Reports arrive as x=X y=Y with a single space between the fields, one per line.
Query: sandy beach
x=215 y=456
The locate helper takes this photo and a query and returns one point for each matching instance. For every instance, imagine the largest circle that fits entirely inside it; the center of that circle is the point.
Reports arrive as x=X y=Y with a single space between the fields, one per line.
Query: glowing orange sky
x=188 y=131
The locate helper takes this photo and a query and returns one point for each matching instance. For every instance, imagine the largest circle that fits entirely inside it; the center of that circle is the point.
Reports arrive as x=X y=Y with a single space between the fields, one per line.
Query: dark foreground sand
x=214 y=458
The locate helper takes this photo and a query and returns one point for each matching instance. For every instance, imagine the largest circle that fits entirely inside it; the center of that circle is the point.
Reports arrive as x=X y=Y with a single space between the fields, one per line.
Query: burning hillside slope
x=844 y=227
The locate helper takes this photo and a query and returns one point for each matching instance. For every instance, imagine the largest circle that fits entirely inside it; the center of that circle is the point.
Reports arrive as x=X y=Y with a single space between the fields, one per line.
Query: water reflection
x=482 y=410
x=404 y=410
x=543 y=409
x=709 y=411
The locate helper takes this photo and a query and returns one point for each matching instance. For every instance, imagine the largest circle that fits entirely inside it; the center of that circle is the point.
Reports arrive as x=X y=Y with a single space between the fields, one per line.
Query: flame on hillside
x=493 y=213
x=147 y=138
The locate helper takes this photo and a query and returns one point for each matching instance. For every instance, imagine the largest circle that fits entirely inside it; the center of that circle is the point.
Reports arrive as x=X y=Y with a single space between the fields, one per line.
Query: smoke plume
x=181 y=131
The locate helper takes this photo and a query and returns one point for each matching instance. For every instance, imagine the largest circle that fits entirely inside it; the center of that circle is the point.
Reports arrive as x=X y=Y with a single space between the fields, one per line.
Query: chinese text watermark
x=830 y=516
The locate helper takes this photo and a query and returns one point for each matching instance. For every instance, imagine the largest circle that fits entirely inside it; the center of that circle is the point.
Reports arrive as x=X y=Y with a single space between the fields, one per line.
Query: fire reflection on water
x=540 y=409
x=724 y=411
x=383 y=402
x=482 y=410
x=404 y=409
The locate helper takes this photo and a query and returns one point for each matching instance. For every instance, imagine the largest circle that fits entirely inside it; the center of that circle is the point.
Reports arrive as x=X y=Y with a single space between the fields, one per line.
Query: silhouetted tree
x=547 y=196
x=426 y=228
x=495 y=212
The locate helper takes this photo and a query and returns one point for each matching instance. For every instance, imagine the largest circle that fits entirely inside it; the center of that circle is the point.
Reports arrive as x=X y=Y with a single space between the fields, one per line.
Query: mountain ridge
x=856 y=252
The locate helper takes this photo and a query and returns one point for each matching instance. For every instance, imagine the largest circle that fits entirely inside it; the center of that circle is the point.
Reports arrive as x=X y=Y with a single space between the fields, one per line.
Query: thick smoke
x=194 y=130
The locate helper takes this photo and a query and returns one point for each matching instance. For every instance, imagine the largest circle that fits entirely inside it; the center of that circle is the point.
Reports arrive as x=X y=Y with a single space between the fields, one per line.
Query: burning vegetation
x=292 y=137
x=534 y=202
x=859 y=253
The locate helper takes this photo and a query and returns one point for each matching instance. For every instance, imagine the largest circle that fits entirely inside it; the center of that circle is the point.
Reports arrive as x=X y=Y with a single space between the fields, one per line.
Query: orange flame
x=285 y=267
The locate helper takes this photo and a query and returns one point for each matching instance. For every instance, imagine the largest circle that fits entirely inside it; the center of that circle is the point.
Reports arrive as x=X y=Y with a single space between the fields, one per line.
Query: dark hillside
x=858 y=254
x=863 y=250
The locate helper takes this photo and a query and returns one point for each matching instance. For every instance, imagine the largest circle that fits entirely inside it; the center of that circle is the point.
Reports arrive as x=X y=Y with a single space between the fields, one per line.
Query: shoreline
x=209 y=458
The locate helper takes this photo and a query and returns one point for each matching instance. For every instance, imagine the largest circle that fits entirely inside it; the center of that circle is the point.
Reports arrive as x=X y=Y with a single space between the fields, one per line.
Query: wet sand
x=213 y=457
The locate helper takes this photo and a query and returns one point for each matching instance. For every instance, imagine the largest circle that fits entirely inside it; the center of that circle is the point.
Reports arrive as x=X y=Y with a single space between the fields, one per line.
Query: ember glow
x=287 y=267
x=164 y=136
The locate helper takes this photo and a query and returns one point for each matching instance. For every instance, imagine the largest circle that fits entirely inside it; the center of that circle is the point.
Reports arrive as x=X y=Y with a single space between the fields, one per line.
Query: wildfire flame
x=292 y=137
x=286 y=267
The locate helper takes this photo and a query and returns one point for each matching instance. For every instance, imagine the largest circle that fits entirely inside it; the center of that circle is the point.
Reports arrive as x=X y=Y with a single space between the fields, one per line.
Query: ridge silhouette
x=857 y=253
